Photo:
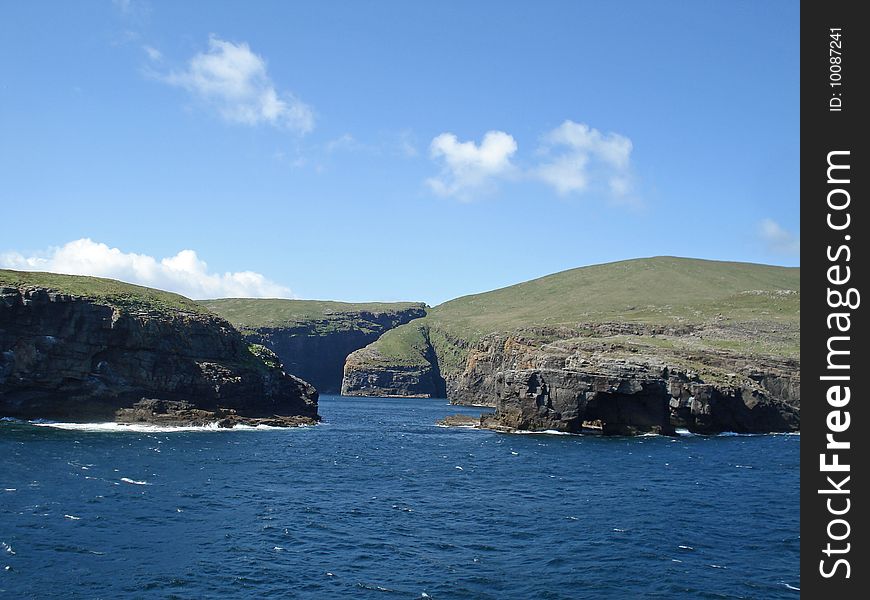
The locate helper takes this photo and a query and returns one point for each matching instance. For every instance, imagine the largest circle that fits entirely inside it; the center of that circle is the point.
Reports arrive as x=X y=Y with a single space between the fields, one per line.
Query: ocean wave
x=133 y=481
x=545 y=432
x=111 y=426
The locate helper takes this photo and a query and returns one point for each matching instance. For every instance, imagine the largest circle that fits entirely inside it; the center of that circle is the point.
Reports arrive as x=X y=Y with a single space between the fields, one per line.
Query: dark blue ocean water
x=379 y=503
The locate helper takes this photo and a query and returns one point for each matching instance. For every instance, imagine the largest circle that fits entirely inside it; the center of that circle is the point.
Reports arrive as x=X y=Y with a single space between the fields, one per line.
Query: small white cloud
x=345 y=142
x=183 y=273
x=234 y=81
x=153 y=53
x=136 y=10
x=407 y=144
x=470 y=168
x=777 y=240
x=580 y=156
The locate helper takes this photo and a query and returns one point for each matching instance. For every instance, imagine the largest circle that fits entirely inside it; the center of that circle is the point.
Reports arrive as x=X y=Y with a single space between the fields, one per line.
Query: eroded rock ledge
x=572 y=384
x=71 y=358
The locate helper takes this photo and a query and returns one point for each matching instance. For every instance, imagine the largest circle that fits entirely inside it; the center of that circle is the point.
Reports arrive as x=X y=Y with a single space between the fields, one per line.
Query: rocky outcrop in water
x=575 y=382
x=368 y=372
x=361 y=378
x=72 y=358
x=568 y=379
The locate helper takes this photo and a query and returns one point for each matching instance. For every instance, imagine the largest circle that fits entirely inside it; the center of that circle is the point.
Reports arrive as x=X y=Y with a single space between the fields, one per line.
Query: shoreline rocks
x=560 y=380
x=460 y=421
x=185 y=414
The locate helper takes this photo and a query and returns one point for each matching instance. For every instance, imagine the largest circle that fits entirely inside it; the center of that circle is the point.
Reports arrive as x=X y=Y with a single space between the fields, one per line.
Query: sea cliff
x=313 y=338
x=89 y=349
x=647 y=345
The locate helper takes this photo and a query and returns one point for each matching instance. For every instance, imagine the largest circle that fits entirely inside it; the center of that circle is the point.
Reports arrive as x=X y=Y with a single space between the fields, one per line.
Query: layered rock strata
x=368 y=372
x=315 y=348
x=74 y=358
x=626 y=389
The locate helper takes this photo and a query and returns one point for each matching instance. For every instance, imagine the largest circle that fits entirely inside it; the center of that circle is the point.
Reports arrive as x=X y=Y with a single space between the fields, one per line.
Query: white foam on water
x=149 y=428
x=7 y=548
x=72 y=517
x=545 y=432
x=686 y=547
x=133 y=481
x=791 y=587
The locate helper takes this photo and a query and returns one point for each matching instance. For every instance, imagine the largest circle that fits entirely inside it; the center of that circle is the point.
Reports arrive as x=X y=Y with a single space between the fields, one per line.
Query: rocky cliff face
x=68 y=357
x=398 y=381
x=315 y=344
x=369 y=373
x=575 y=383
x=317 y=351
x=619 y=378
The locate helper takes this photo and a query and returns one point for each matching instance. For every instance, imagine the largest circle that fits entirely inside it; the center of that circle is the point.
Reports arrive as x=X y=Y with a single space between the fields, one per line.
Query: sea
x=378 y=502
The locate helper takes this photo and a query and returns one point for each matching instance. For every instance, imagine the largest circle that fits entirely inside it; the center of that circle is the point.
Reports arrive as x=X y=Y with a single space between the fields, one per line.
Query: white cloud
x=579 y=157
x=183 y=273
x=132 y=8
x=470 y=168
x=407 y=144
x=777 y=240
x=573 y=159
x=234 y=81
x=153 y=53
x=345 y=142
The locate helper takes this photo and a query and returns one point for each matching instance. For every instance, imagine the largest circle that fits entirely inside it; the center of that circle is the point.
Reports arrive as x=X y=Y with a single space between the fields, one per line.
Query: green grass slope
x=104 y=291
x=660 y=290
x=404 y=346
x=741 y=307
x=324 y=316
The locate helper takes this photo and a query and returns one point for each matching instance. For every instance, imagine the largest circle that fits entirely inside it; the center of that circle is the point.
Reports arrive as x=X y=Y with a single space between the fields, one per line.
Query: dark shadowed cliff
x=640 y=345
x=89 y=349
x=313 y=338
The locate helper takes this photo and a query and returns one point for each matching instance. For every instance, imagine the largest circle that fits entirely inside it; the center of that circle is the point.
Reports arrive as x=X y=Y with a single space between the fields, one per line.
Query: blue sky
x=393 y=150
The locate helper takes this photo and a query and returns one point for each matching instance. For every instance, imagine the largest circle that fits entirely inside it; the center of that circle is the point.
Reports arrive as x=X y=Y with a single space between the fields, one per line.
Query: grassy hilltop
x=323 y=316
x=103 y=291
x=655 y=291
x=313 y=338
x=738 y=307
